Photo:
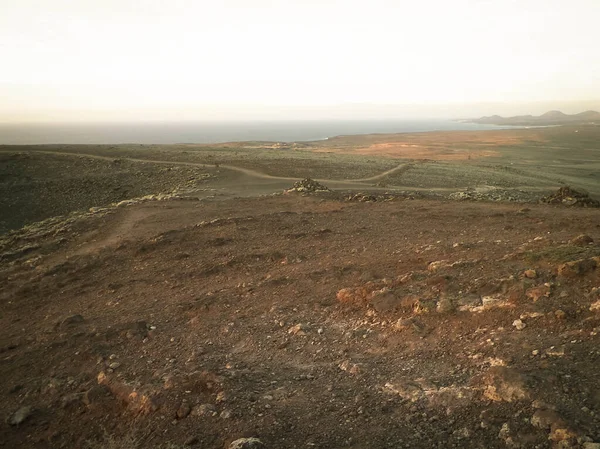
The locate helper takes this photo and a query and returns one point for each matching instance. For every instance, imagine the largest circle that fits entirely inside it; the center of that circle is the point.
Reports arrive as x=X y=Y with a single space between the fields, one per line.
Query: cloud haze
x=126 y=59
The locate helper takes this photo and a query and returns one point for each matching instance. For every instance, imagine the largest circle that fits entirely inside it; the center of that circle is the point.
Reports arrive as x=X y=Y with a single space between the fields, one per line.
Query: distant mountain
x=549 y=118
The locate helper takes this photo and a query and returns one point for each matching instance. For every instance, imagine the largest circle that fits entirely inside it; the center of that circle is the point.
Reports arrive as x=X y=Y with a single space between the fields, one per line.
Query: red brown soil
x=235 y=304
x=440 y=146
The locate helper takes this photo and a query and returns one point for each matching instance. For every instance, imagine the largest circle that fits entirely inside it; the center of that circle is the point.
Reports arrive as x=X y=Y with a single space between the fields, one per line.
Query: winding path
x=245 y=171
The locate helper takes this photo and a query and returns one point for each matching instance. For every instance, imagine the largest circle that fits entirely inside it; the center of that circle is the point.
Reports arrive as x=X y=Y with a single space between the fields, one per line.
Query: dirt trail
x=245 y=171
x=122 y=230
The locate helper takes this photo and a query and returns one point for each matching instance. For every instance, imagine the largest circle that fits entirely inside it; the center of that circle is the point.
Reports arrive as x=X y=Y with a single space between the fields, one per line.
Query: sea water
x=213 y=132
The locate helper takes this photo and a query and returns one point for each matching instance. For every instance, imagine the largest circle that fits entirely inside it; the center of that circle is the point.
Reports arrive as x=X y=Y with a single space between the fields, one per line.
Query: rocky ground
x=426 y=290
x=303 y=320
x=35 y=186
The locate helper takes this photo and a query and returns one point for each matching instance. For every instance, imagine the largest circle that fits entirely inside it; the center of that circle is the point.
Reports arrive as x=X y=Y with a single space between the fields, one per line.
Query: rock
x=298 y=329
x=536 y=293
x=530 y=274
x=571 y=197
x=183 y=411
x=438 y=265
x=138 y=400
x=226 y=414
x=72 y=320
x=114 y=365
x=595 y=307
x=350 y=296
x=349 y=367
x=544 y=419
x=504 y=384
x=247 y=443
x=308 y=185
x=384 y=301
x=559 y=314
x=20 y=416
x=591 y=445
x=505 y=434
x=582 y=240
x=445 y=305
x=519 y=325
x=564 y=436
x=204 y=410
x=71 y=400
x=577 y=267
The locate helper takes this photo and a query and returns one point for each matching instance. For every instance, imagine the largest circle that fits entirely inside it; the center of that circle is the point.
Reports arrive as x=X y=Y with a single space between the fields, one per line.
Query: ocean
x=214 y=132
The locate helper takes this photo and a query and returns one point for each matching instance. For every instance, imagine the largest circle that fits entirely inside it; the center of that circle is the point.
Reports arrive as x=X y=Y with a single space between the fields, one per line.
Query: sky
x=98 y=60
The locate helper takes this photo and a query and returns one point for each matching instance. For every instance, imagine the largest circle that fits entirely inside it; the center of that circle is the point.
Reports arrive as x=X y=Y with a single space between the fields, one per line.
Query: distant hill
x=549 y=118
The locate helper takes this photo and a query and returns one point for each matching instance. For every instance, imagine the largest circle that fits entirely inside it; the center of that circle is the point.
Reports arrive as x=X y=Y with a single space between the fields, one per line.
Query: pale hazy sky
x=183 y=59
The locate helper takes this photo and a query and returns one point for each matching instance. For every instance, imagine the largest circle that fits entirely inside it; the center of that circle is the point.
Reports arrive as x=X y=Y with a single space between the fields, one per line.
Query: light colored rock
x=349 y=367
x=298 y=329
x=591 y=445
x=204 y=410
x=538 y=292
x=20 y=416
x=247 y=443
x=504 y=384
x=226 y=414
x=595 y=307
x=519 y=325
x=530 y=274
x=582 y=240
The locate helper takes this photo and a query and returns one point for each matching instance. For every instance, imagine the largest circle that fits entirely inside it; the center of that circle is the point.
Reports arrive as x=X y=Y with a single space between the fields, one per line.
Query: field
x=428 y=300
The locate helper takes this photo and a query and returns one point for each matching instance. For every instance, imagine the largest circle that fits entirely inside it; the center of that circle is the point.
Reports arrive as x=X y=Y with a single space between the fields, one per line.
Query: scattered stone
x=138 y=400
x=114 y=365
x=577 y=267
x=595 y=307
x=530 y=274
x=504 y=384
x=544 y=419
x=184 y=410
x=564 y=436
x=349 y=367
x=571 y=197
x=20 y=416
x=437 y=265
x=591 y=445
x=539 y=292
x=308 y=185
x=298 y=329
x=505 y=434
x=445 y=305
x=204 y=410
x=410 y=324
x=72 y=399
x=226 y=414
x=247 y=443
x=582 y=240
x=355 y=296
x=559 y=314
x=519 y=325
